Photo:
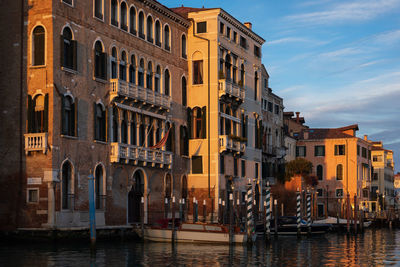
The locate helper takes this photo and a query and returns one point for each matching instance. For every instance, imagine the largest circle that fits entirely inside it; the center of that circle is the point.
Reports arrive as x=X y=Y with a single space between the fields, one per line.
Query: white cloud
x=388 y=38
x=286 y=40
x=361 y=10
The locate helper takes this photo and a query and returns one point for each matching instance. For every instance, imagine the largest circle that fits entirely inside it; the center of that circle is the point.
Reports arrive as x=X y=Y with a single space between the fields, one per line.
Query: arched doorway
x=134 y=197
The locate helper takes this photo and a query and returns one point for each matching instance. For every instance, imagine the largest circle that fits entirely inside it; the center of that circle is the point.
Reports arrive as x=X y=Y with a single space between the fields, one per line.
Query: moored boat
x=287 y=225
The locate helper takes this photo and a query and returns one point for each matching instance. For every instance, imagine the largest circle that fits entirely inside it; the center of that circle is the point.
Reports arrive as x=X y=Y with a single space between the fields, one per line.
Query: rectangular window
x=228 y=32
x=364 y=152
x=375 y=176
x=340 y=150
x=197 y=164
x=198 y=72
x=358 y=150
x=256 y=170
x=243 y=168
x=276 y=109
x=265 y=83
x=235 y=37
x=319 y=151
x=377 y=158
x=98 y=9
x=221 y=28
x=69 y=2
x=339 y=192
x=32 y=195
x=301 y=151
x=202 y=27
x=257 y=51
x=319 y=192
x=243 y=42
x=221 y=164
x=270 y=106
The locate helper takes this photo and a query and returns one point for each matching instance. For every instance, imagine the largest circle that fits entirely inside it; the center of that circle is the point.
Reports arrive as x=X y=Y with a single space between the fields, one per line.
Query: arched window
x=132 y=20
x=183 y=45
x=184 y=92
x=242 y=75
x=114 y=66
x=197 y=122
x=184 y=141
x=132 y=70
x=149 y=76
x=170 y=145
x=167 y=38
x=100 y=122
x=167 y=82
x=124 y=128
x=234 y=70
x=114 y=12
x=98 y=9
x=184 y=188
x=320 y=172
x=141 y=73
x=115 y=125
x=339 y=172
x=228 y=67
x=100 y=61
x=38 y=113
x=38 y=46
x=99 y=189
x=66 y=186
x=157 y=78
x=227 y=121
x=158 y=33
x=122 y=66
x=150 y=134
x=158 y=131
x=133 y=130
x=142 y=133
x=150 y=29
x=68 y=58
x=255 y=85
x=141 y=25
x=168 y=186
x=68 y=107
x=124 y=17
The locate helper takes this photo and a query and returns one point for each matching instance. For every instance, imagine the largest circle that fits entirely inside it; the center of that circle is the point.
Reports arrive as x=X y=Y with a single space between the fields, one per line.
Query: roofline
x=166 y=11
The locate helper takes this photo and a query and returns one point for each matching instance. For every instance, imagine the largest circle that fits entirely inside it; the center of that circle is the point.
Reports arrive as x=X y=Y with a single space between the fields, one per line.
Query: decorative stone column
x=51 y=178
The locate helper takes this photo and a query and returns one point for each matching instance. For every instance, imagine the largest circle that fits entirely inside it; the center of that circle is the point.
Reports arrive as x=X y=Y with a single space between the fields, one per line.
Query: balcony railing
x=122 y=88
x=144 y=154
x=227 y=87
x=36 y=142
x=228 y=144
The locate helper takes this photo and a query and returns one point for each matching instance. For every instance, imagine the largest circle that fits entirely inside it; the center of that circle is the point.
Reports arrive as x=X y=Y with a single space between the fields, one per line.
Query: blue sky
x=335 y=61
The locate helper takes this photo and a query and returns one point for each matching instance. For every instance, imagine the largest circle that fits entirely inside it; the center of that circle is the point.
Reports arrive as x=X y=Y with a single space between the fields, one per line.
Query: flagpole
x=147 y=134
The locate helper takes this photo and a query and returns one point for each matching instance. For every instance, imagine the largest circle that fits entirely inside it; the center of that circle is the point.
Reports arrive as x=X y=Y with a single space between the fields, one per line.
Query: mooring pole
x=237 y=212
x=298 y=212
x=92 y=210
x=223 y=212
x=142 y=215
x=308 y=212
x=268 y=210
x=166 y=208
x=348 y=212
x=220 y=211
x=173 y=220
x=276 y=216
x=231 y=203
x=355 y=214
x=196 y=210
x=249 y=212
x=204 y=211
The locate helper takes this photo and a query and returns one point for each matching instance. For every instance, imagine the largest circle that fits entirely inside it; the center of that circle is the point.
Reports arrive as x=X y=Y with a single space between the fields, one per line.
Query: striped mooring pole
x=298 y=211
x=268 y=210
x=249 y=212
x=308 y=211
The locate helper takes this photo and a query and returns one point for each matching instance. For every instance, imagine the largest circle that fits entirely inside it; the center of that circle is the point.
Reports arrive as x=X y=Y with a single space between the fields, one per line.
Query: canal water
x=376 y=247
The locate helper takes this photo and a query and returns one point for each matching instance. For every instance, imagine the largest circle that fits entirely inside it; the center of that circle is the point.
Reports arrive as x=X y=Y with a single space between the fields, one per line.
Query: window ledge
x=100 y=142
x=99 y=19
x=100 y=80
x=66 y=69
x=37 y=66
x=69 y=137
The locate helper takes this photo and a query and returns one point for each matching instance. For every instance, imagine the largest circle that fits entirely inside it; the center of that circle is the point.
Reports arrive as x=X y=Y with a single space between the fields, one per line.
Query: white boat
x=342 y=222
x=193 y=232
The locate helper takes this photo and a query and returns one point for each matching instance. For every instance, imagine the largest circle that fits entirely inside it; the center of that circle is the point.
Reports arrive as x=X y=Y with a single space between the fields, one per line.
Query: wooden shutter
x=74 y=45
x=30 y=114
x=189 y=122
x=103 y=125
x=204 y=122
x=46 y=113
x=103 y=65
x=63 y=130
x=62 y=51
x=106 y=125
x=172 y=134
x=95 y=122
x=74 y=119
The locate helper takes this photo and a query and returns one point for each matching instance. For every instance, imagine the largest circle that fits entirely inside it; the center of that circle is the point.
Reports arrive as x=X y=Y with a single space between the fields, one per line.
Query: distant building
x=341 y=162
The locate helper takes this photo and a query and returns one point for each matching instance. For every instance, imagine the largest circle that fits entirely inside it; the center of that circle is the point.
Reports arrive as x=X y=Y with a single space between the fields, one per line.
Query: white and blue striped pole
x=268 y=210
x=298 y=213
x=92 y=209
x=309 y=212
x=249 y=212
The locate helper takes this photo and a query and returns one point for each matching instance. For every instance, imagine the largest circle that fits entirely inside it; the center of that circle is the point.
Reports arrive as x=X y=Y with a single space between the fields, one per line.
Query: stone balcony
x=226 y=143
x=36 y=142
x=120 y=88
x=230 y=89
x=147 y=156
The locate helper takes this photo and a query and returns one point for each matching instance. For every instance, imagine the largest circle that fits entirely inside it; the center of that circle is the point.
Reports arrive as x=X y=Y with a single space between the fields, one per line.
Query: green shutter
x=29 y=114
x=63 y=130
x=204 y=122
x=74 y=119
x=74 y=44
x=95 y=122
x=61 y=51
x=46 y=113
x=189 y=122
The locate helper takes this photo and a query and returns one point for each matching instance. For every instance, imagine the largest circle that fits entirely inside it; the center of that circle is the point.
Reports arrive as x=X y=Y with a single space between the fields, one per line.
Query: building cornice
x=167 y=12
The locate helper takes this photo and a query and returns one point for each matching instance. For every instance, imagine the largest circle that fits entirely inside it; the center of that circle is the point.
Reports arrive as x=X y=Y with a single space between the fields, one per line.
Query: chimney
x=297 y=117
x=365 y=137
x=248 y=25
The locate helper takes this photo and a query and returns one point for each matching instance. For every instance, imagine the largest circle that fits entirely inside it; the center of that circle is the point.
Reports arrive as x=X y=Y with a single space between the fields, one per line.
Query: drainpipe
x=208 y=94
